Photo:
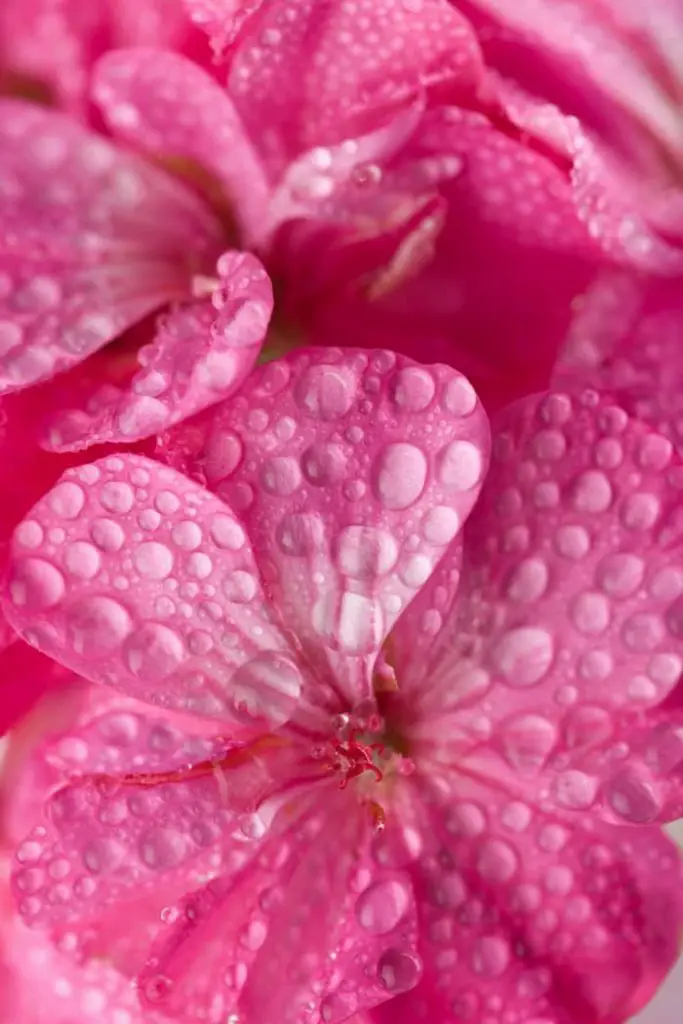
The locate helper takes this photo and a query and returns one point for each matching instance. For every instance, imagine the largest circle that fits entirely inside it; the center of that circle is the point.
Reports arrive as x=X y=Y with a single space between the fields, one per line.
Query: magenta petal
x=540 y=917
x=567 y=613
x=128 y=831
x=352 y=472
x=310 y=918
x=168 y=106
x=132 y=575
x=92 y=240
x=201 y=353
x=360 y=61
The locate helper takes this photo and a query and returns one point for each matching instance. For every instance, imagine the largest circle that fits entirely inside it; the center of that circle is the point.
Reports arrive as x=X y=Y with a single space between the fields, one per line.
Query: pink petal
x=613 y=62
x=358 y=63
x=127 y=838
x=132 y=575
x=223 y=19
x=54 y=42
x=201 y=354
x=332 y=459
x=26 y=676
x=566 y=620
x=291 y=928
x=495 y=294
x=626 y=339
x=541 y=917
x=166 y=105
x=42 y=986
x=93 y=240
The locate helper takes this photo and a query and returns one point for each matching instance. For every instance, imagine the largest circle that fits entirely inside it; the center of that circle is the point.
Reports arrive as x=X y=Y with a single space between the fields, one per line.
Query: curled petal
x=141 y=92
x=201 y=354
x=132 y=575
x=92 y=240
x=352 y=471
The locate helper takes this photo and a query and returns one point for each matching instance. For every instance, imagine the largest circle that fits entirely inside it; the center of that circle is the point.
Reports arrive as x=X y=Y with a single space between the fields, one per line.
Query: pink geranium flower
x=389 y=772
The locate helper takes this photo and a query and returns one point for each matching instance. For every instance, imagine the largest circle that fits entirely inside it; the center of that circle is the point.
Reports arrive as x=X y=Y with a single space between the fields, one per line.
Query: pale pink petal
x=92 y=240
x=543 y=918
x=127 y=838
x=291 y=929
x=168 y=106
x=359 y=61
x=132 y=575
x=566 y=622
x=201 y=354
x=352 y=471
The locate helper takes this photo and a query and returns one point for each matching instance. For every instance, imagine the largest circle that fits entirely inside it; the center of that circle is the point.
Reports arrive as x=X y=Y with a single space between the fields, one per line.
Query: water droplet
x=591 y=613
x=324 y=464
x=152 y=560
x=524 y=655
x=398 y=971
x=640 y=511
x=364 y=552
x=592 y=492
x=490 y=956
x=459 y=397
x=117 y=496
x=154 y=651
x=266 y=688
x=380 y=908
x=326 y=392
x=497 y=861
x=97 y=625
x=575 y=789
x=82 y=560
x=104 y=855
x=528 y=580
x=412 y=389
x=163 y=848
x=227 y=533
x=107 y=535
x=36 y=584
x=459 y=466
x=440 y=525
x=399 y=475
x=281 y=475
x=67 y=500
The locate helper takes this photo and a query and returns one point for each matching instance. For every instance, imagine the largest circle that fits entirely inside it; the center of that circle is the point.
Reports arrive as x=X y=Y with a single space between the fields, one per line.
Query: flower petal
x=169 y=107
x=136 y=577
x=291 y=928
x=201 y=354
x=358 y=63
x=541 y=918
x=626 y=339
x=496 y=293
x=92 y=240
x=130 y=835
x=567 y=614
x=352 y=472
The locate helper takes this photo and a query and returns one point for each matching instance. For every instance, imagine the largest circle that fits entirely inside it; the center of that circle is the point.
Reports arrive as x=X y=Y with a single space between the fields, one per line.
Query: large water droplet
x=380 y=908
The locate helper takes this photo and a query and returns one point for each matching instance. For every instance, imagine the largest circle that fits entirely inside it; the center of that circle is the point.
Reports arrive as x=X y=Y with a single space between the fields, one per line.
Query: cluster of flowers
x=341 y=465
